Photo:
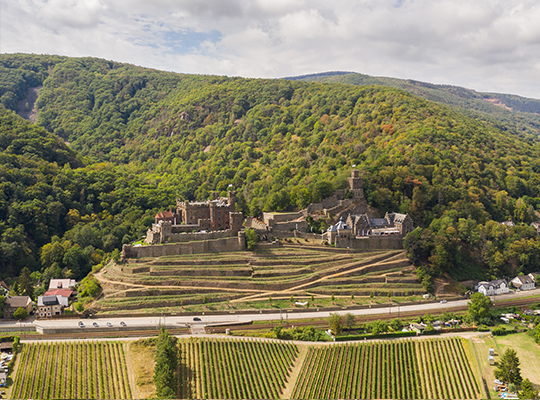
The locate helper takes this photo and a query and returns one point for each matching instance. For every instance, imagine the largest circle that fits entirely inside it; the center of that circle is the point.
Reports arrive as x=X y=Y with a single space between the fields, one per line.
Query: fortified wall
x=196 y=247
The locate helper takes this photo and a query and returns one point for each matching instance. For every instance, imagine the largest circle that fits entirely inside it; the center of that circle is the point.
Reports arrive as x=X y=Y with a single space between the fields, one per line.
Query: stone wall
x=197 y=236
x=372 y=243
x=273 y=218
x=290 y=227
x=206 y=246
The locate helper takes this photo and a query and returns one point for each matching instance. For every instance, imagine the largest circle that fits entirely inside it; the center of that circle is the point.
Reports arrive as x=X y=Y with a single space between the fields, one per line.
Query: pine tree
x=528 y=391
x=509 y=370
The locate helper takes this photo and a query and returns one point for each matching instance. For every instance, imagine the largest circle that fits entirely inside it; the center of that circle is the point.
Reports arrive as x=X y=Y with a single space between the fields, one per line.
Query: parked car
x=123 y=323
x=81 y=325
x=95 y=324
x=109 y=324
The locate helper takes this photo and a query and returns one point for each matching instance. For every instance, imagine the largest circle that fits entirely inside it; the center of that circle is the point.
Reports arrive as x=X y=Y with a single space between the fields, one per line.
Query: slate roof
x=374 y=222
x=341 y=225
x=496 y=283
x=524 y=279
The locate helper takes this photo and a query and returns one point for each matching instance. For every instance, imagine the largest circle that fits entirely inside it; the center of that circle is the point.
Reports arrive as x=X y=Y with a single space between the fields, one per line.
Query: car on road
x=196 y=319
x=109 y=324
x=443 y=301
x=123 y=323
x=81 y=325
x=95 y=324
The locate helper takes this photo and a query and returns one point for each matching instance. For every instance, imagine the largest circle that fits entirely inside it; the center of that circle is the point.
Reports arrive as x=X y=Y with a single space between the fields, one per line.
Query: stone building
x=391 y=224
x=12 y=303
x=338 y=232
x=51 y=305
x=196 y=216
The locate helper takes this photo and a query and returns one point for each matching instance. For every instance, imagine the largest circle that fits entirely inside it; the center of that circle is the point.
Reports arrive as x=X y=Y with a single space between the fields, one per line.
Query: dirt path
x=297 y=367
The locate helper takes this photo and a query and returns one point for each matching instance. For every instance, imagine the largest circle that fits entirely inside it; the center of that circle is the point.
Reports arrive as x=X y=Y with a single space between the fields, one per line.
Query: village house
x=49 y=306
x=12 y=303
x=498 y=286
x=523 y=282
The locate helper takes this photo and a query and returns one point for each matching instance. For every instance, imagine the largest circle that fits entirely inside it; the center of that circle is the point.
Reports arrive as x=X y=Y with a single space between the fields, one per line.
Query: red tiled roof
x=165 y=214
x=59 y=292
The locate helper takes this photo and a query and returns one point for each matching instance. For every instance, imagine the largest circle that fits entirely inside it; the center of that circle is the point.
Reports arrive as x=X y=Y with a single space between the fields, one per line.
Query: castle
x=214 y=225
x=216 y=218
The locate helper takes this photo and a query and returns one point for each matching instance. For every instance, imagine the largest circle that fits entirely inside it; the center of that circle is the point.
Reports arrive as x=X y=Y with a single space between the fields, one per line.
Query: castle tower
x=232 y=200
x=355 y=186
x=236 y=219
x=165 y=230
x=213 y=216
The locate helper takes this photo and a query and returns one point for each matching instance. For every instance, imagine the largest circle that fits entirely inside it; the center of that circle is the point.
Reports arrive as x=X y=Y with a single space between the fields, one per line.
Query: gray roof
x=524 y=279
x=18 y=301
x=379 y=222
x=341 y=225
x=496 y=283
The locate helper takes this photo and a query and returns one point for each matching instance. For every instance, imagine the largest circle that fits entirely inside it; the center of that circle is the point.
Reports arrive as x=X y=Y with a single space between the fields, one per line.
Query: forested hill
x=514 y=114
x=147 y=137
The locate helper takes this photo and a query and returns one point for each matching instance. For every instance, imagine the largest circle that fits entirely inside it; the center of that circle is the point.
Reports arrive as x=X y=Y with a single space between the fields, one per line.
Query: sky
x=486 y=45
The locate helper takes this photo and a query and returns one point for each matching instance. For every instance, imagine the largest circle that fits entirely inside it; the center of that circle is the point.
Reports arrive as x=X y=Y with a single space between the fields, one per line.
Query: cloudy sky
x=487 y=45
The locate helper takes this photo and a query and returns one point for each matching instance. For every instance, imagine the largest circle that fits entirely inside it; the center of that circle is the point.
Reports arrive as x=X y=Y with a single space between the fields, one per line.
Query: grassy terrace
x=221 y=281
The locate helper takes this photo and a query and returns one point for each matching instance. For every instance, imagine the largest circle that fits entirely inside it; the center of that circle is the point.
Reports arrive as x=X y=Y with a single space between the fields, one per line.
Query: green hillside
x=510 y=113
x=146 y=137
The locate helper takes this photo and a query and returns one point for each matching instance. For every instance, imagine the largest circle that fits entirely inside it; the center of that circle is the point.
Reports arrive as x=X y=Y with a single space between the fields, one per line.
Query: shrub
x=20 y=313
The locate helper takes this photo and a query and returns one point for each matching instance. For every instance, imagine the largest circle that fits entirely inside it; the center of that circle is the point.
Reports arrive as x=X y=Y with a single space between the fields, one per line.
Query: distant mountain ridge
x=520 y=115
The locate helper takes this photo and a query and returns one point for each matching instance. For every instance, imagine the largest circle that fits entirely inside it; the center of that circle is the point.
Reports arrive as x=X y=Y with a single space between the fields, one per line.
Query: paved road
x=156 y=321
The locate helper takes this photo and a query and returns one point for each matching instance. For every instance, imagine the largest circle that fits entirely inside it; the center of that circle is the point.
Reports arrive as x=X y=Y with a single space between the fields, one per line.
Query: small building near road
x=12 y=303
x=49 y=306
x=523 y=282
x=498 y=286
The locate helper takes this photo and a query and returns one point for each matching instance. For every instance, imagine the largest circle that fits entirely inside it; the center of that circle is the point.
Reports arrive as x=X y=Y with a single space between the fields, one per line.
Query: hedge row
x=370 y=336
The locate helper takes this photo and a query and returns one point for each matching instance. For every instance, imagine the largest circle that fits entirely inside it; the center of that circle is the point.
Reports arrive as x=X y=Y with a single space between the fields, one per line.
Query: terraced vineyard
x=420 y=369
x=72 y=371
x=234 y=369
x=173 y=282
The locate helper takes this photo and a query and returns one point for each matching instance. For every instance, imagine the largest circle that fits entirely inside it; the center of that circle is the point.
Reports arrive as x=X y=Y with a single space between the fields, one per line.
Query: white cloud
x=488 y=45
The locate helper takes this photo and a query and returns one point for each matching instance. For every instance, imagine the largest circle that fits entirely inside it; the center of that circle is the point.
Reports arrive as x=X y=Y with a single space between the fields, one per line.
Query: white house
x=498 y=286
x=523 y=282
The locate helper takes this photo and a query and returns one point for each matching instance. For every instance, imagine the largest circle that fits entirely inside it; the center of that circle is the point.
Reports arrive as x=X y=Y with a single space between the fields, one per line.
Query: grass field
x=528 y=352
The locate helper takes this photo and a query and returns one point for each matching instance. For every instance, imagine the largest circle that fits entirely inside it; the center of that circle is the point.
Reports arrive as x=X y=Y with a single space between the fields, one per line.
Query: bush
x=500 y=331
x=20 y=313
x=370 y=336
x=483 y=328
